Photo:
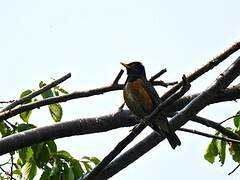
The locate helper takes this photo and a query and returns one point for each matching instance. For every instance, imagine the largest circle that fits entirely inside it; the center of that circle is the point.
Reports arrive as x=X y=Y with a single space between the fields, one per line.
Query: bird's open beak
x=125 y=65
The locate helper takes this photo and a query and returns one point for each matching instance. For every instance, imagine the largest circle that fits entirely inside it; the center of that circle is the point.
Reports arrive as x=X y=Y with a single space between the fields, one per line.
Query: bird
x=141 y=98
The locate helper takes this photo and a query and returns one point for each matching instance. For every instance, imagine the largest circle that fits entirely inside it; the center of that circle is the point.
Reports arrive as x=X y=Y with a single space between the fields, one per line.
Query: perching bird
x=141 y=98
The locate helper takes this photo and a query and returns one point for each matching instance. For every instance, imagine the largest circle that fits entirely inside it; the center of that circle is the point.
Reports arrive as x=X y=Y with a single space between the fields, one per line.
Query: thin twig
x=229 y=119
x=234 y=169
x=11 y=172
x=36 y=93
x=6 y=102
x=3 y=170
x=121 y=107
x=75 y=95
x=158 y=75
x=164 y=84
x=208 y=135
x=10 y=124
x=161 y=83
x=7 y=173
x=215 y=125
x=5 y=163
x=118 y=77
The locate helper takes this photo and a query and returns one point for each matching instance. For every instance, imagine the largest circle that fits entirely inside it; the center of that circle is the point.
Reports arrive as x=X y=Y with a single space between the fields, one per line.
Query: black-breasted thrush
x=141 y=98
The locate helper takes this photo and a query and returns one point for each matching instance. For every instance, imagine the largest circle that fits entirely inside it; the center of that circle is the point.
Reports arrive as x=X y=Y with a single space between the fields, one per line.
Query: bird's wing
x=152 y=92
x=163 y=123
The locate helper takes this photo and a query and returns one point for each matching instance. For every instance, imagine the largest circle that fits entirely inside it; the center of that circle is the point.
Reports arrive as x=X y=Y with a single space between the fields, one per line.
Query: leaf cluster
x=217 y=147
x=44 y=158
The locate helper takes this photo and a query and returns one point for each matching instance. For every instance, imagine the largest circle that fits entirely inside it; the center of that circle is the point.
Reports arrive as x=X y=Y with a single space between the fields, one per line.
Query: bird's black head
x=135 y=69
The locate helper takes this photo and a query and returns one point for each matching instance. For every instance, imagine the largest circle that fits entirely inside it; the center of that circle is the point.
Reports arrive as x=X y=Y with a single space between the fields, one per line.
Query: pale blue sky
x=40 y=40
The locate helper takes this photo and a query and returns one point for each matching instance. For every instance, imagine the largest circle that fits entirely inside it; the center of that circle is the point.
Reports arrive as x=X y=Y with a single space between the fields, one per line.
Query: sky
x=41 y=40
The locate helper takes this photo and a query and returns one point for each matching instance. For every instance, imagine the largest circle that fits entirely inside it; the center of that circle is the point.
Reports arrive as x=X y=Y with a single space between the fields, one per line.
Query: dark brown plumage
x=141 y=98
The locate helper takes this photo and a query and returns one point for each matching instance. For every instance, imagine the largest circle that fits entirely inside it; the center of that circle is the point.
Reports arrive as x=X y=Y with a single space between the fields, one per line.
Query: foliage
x=44 y=158
x=217 y=148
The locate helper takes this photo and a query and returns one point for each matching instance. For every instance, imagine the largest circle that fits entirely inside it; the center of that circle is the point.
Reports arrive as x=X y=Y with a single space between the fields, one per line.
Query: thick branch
x=229 y=94
x=65 y=129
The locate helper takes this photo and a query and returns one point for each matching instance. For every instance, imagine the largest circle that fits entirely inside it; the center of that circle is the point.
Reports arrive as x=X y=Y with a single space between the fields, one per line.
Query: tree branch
x=216 y=126
x=100 y=124
x=78 y=94
x=229 y=94
x=208 y=135
x=36 y=93
x=52 y=134
x=234 y=169
x=196 y=105
x=229 y=118
x=153 y=78
x=6 y=102
x=118 y=77
x=136 y=131
x=210 y=65
x=8 y=114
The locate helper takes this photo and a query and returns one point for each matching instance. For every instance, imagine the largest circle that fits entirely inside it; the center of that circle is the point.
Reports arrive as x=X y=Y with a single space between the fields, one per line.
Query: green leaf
x=236 y=120
x=221 y=146
x=56 y=112
x=95 y=160
x=45 y=94
x=17 y=172
x=52 y=147
x=37 y=148
x=25 y=93
x=46 y=173
x=68 y=172
x=56 y=93
x=20 y=162
x=4 y=129
x=64 y=155
x=29 y=170
x=217 y=147
x=41 y=155
x=211 y=152
x=87 y=166
x=63 y=91
x=26 y=115
x=55 y=109
x=76 y=167
x=56 y=169
x=234 y=150
x=25 y=154
x=24 y=127
x=85 y=159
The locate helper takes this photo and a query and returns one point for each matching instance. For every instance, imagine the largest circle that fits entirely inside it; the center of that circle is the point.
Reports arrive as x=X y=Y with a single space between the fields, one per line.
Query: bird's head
x=135 y=69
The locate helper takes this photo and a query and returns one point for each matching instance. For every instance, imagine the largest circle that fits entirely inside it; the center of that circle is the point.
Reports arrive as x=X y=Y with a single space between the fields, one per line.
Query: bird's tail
x=171 y=136
x=173 y=139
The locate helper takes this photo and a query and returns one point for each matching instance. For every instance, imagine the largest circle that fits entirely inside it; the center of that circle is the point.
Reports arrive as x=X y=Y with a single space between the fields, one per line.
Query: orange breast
x=138 y=97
